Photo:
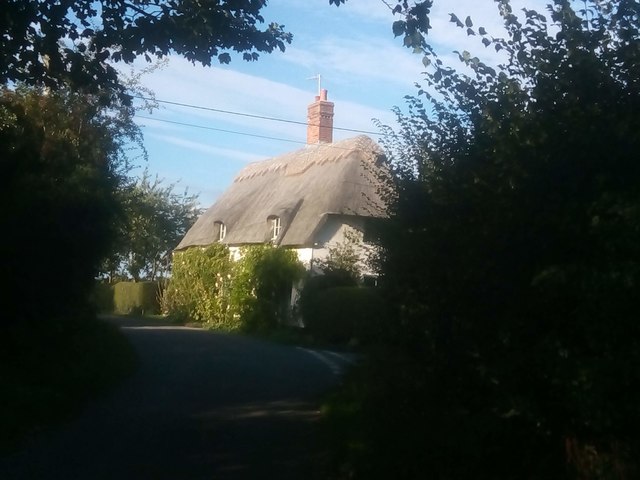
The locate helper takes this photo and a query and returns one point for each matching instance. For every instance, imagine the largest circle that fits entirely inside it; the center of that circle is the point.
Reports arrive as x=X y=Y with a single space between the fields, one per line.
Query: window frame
x=221 y=230
x=275 y=227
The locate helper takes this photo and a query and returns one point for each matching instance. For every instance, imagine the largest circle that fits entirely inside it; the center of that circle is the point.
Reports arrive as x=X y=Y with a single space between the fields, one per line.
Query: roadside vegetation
x=250 y=294
x=512 y=261
x=63 y=158
x=510 y=266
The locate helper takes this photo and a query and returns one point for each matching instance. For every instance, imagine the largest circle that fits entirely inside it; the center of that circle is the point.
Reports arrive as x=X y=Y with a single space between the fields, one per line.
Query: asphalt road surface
x=201 y=406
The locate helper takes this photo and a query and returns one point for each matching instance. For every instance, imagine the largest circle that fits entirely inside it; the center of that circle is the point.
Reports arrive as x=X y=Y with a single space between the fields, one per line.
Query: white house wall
x=334 y=232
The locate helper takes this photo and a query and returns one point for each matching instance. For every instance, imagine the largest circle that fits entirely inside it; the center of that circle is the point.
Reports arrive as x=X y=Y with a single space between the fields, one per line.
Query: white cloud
x=356 y=10
x=212 y=151
x=358 y=59
x=367 y=10
x=365 y=68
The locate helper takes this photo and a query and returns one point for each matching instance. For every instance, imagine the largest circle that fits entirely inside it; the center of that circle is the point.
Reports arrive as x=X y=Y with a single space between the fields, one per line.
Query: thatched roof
x=302 y=188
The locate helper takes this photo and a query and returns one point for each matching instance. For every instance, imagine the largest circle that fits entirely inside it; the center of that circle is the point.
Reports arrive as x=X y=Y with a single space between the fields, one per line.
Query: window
x=275 y=226
x=221 y=230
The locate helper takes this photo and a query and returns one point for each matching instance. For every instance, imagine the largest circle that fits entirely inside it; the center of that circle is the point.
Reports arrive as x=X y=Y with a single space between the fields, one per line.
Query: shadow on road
x=202 y=405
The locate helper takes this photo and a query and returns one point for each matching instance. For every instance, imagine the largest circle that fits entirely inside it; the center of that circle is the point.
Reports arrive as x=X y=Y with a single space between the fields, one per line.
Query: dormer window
x=221 y=230
x=275 y=227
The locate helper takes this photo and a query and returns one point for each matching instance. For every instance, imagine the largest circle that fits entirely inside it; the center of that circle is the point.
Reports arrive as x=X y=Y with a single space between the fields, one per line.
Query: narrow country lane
x=201 y=406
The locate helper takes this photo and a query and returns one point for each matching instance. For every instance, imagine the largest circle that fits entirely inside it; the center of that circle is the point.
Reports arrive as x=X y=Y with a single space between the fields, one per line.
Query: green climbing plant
x=200 y=287
x=252 y=293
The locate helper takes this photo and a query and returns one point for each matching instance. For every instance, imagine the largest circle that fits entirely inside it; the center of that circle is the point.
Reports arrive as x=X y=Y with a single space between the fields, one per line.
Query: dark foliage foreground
x=513 y=259
x=50 y=370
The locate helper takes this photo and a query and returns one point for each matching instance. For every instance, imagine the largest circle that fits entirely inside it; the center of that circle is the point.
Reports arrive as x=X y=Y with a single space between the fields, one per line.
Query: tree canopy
x=77 y=43
x=63 y=157
x=154 y=219
x=513 y=256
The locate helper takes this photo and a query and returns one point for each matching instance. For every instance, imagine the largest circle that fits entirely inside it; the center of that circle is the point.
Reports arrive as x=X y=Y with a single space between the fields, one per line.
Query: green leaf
x=456 y=20
x=399 y=27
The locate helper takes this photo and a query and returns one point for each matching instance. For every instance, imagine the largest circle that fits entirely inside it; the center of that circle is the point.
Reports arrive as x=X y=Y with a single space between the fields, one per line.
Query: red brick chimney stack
x=320 y=120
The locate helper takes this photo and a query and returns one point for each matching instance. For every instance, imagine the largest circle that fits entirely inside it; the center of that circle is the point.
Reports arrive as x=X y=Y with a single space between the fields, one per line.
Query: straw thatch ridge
x=302 y=188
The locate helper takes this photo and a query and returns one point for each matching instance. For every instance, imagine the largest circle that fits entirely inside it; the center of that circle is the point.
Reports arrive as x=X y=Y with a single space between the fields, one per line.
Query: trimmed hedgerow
x=102 y=297
x=135 y=298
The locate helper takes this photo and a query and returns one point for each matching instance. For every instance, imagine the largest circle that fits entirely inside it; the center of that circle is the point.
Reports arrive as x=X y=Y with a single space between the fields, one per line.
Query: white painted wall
x=334 y=232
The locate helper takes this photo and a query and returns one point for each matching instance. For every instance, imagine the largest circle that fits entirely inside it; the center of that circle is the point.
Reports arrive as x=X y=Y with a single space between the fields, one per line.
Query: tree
x=414 y=24
x=77 y=43
x=513 y=256
x=154 y=220
x=63 y=156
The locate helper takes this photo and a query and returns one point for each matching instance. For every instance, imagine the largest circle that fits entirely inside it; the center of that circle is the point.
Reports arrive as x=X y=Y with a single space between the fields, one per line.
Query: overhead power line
x=204 y=127
x=249 y=115
x=193 y=125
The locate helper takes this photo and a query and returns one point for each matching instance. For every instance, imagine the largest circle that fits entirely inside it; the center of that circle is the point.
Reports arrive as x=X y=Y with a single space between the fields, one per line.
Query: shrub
x=102 y=297
x=200 y=287
x=262 y=283
x=253 y=293
x=344 y=313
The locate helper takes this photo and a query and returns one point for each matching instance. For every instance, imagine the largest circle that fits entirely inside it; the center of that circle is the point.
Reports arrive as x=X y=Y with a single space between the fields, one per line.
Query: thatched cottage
x=305 y=200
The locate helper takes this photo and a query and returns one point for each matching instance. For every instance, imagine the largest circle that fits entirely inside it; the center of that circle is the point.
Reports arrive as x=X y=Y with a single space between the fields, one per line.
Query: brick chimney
x=320 y=120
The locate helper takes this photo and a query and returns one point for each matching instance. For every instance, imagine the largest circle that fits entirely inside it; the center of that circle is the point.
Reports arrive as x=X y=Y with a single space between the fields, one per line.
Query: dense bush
x=200 y=287
x=252 y=293
x=342 y=314
x=314 y=284
x=102 y=297
x=261 y=286
x=62 y=157
x=513 y=249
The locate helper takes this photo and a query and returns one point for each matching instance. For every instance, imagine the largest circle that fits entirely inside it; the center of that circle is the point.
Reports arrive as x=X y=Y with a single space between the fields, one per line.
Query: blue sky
x=364 y=68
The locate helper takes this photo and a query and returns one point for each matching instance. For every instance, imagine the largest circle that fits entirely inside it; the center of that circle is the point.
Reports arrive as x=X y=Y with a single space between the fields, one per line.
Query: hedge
x=135 y=298
x=342 y=314
x=102 y=297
